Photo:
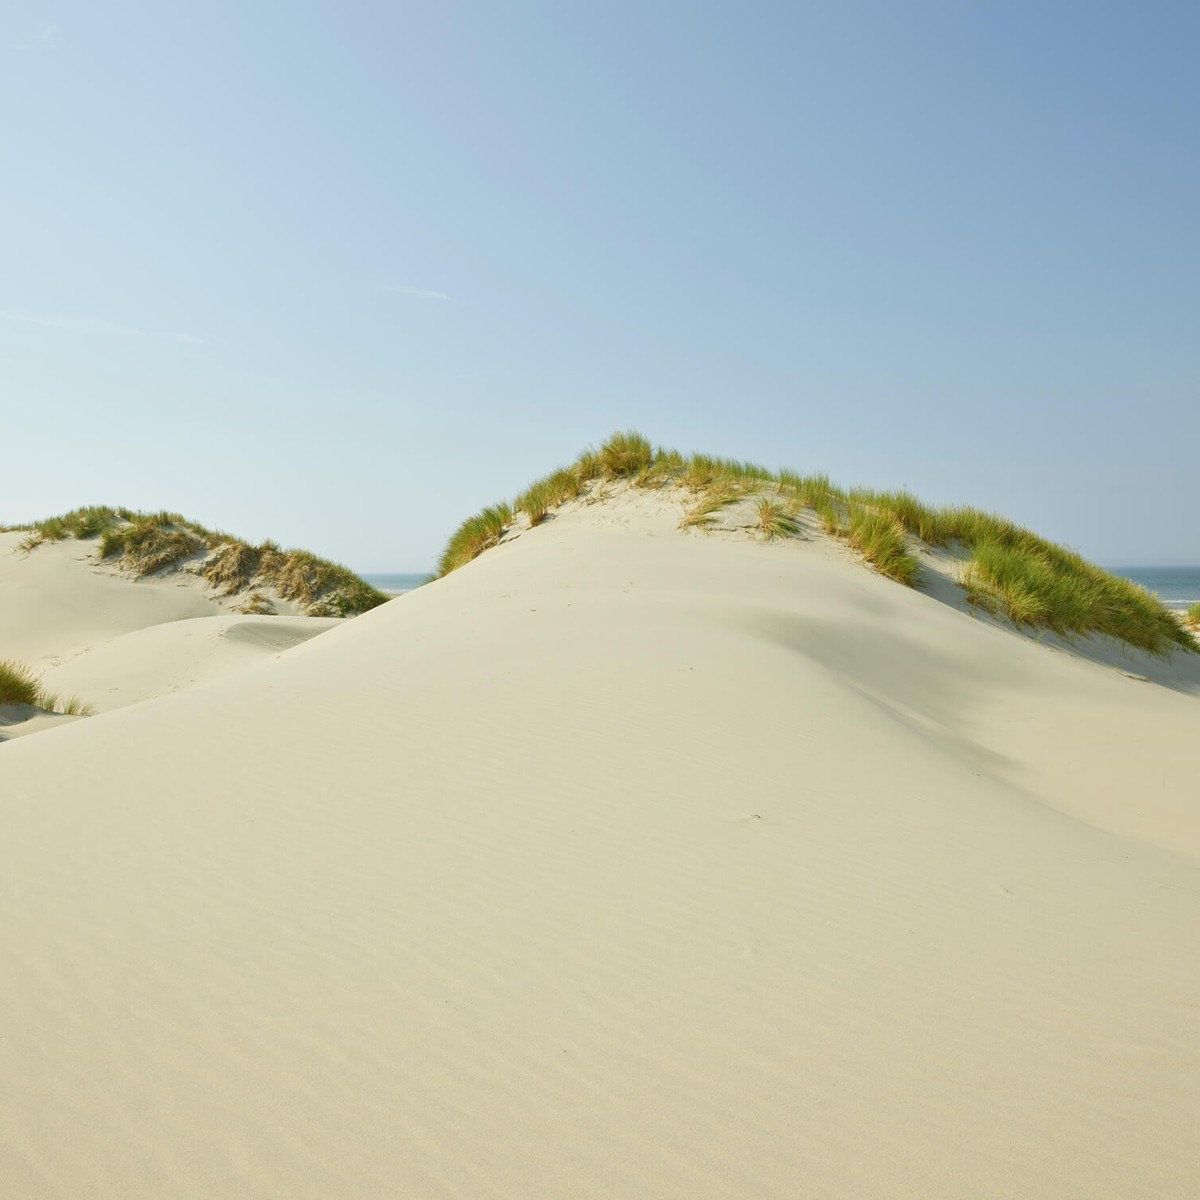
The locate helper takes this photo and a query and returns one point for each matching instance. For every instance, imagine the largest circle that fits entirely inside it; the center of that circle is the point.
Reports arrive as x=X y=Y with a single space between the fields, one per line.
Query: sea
x=394 y=583
x=1176 y=587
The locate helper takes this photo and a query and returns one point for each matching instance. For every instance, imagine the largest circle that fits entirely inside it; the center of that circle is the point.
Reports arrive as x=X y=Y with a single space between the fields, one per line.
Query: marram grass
x=775 y=519
x=1192 y=616
x=879 y=537
x=19 y=685
x=144 y=543
x=1008 y=570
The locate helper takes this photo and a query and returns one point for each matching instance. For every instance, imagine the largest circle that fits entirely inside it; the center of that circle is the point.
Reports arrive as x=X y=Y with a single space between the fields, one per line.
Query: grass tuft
x=475 y=535
x=1192 y=616
x=539 y=498
x=879 y=538
x=774 y=520
x=19 y=685
x=625 y=453
x=704 y=512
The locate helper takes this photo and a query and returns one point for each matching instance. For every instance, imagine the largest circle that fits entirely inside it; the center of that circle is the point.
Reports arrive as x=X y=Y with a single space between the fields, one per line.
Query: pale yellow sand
x=90 y=631
x=621 y=863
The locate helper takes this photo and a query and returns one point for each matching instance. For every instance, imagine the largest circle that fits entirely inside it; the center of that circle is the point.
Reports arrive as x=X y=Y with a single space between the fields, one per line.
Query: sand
x=622 y=862
x=89 y=630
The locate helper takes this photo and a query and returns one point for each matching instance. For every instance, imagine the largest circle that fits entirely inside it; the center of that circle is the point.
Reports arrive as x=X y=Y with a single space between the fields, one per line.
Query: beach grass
x=1192 y=616
x=879 y=537
x=775 y=519
x=547 y=493
x=475 y=535
x=704 y=511
x=145 y=543
x=1007 y=570
x=19 y=685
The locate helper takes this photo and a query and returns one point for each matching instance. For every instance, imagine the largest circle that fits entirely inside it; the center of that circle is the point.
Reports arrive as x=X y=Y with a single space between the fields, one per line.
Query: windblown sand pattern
x=622 y=862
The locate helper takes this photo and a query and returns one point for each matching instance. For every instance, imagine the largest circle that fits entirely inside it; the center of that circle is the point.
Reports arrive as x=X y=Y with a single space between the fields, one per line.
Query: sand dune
x=89 y=630
x=622 y=862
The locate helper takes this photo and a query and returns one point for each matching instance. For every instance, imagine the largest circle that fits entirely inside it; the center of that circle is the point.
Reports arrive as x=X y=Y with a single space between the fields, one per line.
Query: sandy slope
x=621 y=863
x=89 y=630
x=57 y=601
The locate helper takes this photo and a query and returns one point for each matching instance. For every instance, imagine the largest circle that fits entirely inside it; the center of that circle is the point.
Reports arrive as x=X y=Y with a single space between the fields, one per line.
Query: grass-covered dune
x=1007 y=570
x=144 y=543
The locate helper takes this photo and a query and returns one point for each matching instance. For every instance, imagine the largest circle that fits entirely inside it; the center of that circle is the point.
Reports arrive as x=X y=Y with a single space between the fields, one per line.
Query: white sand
x=621 y=863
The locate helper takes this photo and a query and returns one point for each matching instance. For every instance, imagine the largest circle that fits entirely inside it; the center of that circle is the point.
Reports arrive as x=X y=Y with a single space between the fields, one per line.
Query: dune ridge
x=623 y=861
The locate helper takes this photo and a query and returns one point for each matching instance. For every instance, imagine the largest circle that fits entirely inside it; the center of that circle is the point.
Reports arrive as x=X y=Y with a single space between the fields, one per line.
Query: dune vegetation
x=145 y=543
x=1006 y=570
x=1192 y=616
x=19 y=685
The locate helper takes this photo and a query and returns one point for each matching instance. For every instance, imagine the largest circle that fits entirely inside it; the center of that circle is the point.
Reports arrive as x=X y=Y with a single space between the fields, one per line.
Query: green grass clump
x=539 y=498
x=928 y=524
x=475 y=535
x=1192 y=616
x=625 y=454
x=18 y=685
x=1039 y=584
x=879 y=538
x=86 y=522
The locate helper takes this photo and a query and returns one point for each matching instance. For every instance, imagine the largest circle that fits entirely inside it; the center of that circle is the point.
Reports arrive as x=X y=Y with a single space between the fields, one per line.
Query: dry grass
x=19 y=685
x=704 y=511
x=147 y=543
x=775 y=520
x=256 y=604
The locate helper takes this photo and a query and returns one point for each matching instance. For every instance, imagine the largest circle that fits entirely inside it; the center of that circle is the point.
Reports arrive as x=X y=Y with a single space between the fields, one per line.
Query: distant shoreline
x=396 y=583
x=1177 y=587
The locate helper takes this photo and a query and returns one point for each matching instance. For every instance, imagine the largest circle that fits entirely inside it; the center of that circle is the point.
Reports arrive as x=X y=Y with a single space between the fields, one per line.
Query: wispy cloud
x=41 y=38
x=403 y=289
x=101 y=326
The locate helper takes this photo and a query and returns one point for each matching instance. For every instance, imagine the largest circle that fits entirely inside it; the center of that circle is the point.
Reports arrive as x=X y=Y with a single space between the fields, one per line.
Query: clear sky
x=342 y=273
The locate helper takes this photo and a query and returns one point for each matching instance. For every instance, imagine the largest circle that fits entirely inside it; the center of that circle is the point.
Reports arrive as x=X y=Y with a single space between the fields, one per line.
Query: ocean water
x=1176 y=587
x=396 y=582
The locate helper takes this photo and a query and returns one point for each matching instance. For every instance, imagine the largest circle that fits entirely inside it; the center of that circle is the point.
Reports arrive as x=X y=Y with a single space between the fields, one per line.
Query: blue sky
x=339 y=274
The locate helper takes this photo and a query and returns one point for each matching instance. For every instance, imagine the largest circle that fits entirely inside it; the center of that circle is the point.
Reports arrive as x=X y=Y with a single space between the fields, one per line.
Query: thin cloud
x=47 y=35
x=419 y=293
x=100 y=325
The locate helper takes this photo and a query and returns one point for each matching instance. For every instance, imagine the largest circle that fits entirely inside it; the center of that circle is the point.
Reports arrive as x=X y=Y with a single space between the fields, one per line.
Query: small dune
x=103 y=607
